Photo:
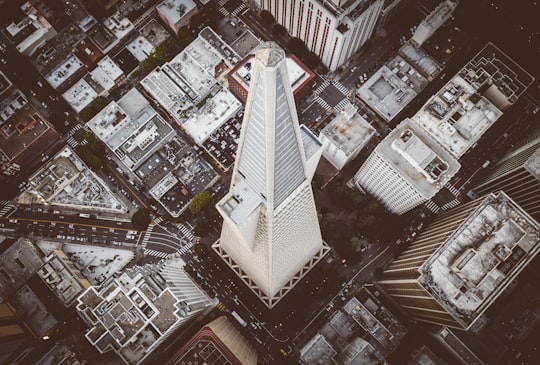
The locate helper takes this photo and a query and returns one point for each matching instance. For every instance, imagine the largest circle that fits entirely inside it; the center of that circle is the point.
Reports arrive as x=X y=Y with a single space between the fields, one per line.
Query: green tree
x=89 y=157
x=297 y=46
x=311 y=59
x=279 y=30
x=267 y=17
x=141 y=219
x=200 y=201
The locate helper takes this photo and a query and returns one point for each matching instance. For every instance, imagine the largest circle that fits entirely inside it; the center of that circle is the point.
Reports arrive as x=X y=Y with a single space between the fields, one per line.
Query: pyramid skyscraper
x=271 y=235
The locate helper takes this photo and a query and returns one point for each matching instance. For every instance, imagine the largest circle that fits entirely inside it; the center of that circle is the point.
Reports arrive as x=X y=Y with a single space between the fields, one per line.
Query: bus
x=239 y=319
x=84 y=215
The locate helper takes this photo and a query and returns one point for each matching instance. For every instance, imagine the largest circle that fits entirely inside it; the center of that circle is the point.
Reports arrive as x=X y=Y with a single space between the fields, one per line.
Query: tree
x=89 y=157
x=311 y=59
x=141 y=219
x=267 y=17
x=200 y=201
x=297 y=46
x=279 y=30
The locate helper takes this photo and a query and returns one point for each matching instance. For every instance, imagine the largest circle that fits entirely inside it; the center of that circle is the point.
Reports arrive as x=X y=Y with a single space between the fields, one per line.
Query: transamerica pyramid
x=271 y=235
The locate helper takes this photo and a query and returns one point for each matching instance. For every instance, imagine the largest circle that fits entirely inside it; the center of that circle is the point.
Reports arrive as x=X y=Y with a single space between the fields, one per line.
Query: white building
x=406 y=169
x=333 y=29
x=463 y=261
x=271 y=235
x=434 y=21
x=345 y=136
x=136 y=312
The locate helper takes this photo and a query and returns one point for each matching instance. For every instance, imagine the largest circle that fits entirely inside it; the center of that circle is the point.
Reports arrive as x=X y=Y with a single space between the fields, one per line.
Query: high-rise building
x=406 y=169
x=455 y=269
x=134 y=313
x=271 y=235
x=334 y=29
x=217 y=343
x=518 y=175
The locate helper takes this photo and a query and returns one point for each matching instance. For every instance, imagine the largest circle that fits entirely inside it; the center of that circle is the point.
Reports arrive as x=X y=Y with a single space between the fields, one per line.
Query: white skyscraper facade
x=406 y=169
x=271 y=235
x=333 y=29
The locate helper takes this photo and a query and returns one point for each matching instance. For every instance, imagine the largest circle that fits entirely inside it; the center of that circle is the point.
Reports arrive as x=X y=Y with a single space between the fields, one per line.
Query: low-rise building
x=345 y=136
x=218 y=342
x=300 y=78
x=406 y=169
x=176 y=13
x=137 y=311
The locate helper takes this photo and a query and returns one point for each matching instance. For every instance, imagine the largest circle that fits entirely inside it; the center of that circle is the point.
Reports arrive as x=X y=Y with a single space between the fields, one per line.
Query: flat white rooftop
x=118 y=24
x=110 y=68
x=348 y=131
x=240 y=203
x=63 y=71
x=193 y=70
x=174 y=10
x=457 y=116
x=391 y=88
x=140 y=48
x=168 y=94
x=80 y=95
x=212 y=116
x=420 y=60
x=297 y=74
x=480 y=259
x=227 y=53
x=419 y=159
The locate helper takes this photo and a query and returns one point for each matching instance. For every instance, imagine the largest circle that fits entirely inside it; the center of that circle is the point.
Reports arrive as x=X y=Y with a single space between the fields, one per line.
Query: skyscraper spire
x=271 y=234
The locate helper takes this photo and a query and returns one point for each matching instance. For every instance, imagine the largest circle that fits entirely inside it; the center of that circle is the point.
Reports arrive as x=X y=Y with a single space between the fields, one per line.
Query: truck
x=84 y=215
x=239 y=319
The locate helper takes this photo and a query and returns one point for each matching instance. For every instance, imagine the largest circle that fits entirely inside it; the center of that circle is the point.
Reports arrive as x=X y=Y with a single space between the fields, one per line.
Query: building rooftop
x=133 y=313
x=502 y=79
x=140 y=48
x=80 y=95
x=212 y=115
x=434 y=20
x=64 y=280
x=239 y=203
x=480 y=259
x=457 y=116
x=63 y=71
x=66 y=181
x=299 y=75
x=419 y=159
x=420 y=60
x=168 y=94
x=23 y=129
x=213 y=40
x=348 y=131
x=318 y=352
x=392 y=87
x=174 y=10
x=10 y=103
x=18 y=262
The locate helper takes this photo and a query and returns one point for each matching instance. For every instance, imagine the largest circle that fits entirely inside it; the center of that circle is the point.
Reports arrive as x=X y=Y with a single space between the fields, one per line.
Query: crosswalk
x=241 y=8
x=452 y=189
x=7 y=208
x=338 y=85
x=432 y=206
x=452 y=204
x=72 y=142
x=188 y=234
x=155 y=253
x=321 y=87
x=341 y=105
x=185 y=248
x=147 y=235
x=323 y=103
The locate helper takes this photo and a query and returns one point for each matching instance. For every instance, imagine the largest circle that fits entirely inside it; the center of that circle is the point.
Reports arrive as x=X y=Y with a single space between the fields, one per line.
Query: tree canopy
x=141 y=219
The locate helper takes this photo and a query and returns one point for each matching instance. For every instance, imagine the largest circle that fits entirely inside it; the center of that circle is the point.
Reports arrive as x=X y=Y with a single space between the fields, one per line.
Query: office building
x=271 y=235
x=406 y=169
x=518 y=175
x=176 y=13
x=463 y=261
x=429 y=25
x=219 y=342
x=136 y=312
x=334 y=30
x=345 y=136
